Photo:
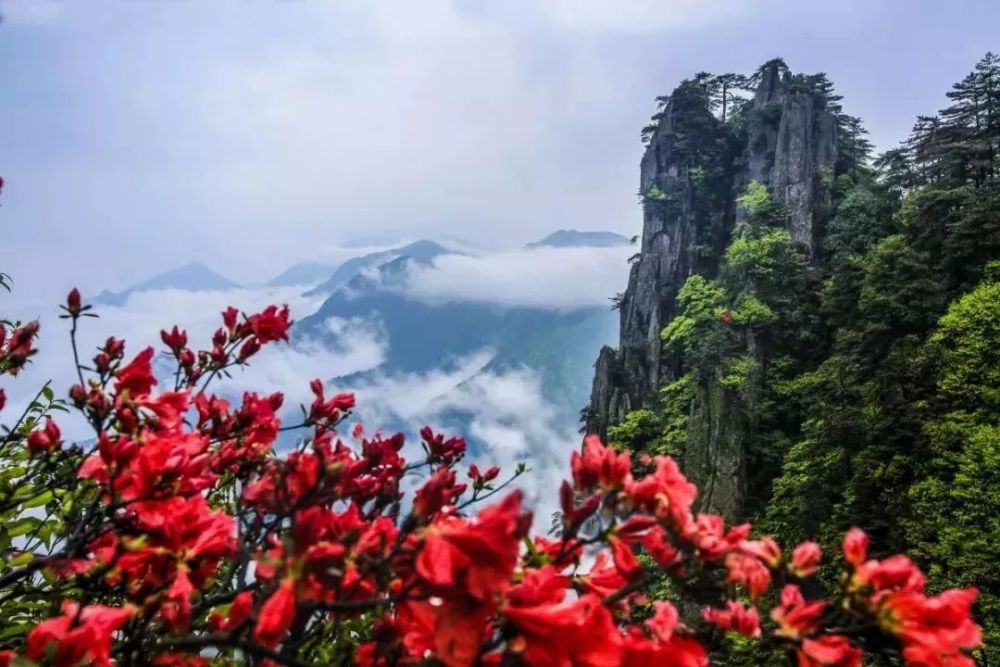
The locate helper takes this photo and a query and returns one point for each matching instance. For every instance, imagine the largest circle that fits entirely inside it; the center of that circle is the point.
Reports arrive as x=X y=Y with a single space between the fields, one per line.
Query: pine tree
x=895 y=170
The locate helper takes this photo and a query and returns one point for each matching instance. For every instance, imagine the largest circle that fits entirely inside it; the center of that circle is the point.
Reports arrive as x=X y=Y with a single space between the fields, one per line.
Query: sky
x=138 y=135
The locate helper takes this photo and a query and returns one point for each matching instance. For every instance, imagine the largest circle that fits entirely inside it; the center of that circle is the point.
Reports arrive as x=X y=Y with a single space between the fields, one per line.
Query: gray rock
x=789 y=143
x=806 y=143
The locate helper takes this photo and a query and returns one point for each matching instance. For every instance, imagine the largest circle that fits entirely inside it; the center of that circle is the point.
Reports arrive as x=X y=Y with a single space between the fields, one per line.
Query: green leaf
x=38 y=500
x=23 y=526
x=22 y=559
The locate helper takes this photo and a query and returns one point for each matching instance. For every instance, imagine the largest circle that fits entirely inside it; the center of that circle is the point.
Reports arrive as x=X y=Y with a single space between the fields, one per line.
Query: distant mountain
x=571 y=238
x=423 y=336
x=306 y=273
x=422 y=251
x=193 y=277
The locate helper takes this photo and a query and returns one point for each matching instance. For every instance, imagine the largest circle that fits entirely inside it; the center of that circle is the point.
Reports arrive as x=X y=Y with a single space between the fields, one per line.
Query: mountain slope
x=192 y=277
x=813 y=333
x=306 y=273
x=423 y=336
x=422 y=251
x=571 y=238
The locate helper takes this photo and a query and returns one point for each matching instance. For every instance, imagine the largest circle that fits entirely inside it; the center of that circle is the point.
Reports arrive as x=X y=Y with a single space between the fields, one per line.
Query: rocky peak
x=691 y=174
x=791 y=148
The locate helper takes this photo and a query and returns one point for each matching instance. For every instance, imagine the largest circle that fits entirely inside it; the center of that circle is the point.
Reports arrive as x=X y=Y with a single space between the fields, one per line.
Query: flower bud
x=47 y=439
x=250 y=348
x=78 y=394
x=74 y=303
x=805 y=559
x=855 y=546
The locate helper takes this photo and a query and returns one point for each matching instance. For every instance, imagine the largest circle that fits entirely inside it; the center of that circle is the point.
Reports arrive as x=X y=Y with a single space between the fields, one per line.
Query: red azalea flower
x=579 y=632
x=270 y=324
x=828 y=651
x=657 y=544
x=625 y=560
x=766 y=550
x=442 y=450
x=708 y=533
x=600 y=466
x=451 y=630
x=276 y=615
x=666 y=493
x=175 y=339
x=604 y=578
x=573 y=516
x=939 y=625
x=19 y=347
x=79 y=635
x=805 y=560
x=327 y=411
x=136 y=378
x=896 y=573
x=48 y=439
x=749 y=572
x=794 y=615
x=735 y=617
x=438 y=492
x=247 y=350
x=229 y=318
x=479 y=555
x=855 y=546
x=176 y=607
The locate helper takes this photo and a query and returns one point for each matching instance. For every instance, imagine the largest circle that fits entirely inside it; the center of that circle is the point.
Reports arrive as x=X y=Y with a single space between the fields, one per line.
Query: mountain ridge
x=571 y=238
x=193 y=276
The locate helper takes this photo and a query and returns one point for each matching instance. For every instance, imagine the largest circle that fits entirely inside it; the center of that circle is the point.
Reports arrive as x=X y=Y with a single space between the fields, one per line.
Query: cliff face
x=691 y=175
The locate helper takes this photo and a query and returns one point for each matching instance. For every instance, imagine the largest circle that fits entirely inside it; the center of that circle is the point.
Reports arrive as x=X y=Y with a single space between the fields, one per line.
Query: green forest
x=857 y=371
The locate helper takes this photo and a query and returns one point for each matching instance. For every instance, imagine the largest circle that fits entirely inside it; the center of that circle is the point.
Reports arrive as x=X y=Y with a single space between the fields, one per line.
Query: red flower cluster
x=200 y=542
x=82 y=635
x=933 y=630
x=17 y=347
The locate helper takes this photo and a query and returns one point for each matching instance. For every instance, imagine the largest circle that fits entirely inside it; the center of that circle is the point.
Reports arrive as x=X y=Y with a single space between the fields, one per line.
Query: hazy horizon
x=144 y=134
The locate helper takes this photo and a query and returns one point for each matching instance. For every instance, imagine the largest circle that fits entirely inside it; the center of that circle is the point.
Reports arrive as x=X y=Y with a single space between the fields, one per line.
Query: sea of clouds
x=505 y=411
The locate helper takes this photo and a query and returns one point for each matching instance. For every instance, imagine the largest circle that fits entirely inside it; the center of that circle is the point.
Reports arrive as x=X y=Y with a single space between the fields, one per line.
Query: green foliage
x=697 y=175
x=826 y=175
x=636 y=432
x=860 y=222
x=968 y=343
x=738 y=371
x=662 y=431
x=702 y=301
x=654 y=193
x=861 y=384
x=675 y=401
x=33 y=510
x=954 y=521
x=755 y=198
x=757 y=257
x=897 y=422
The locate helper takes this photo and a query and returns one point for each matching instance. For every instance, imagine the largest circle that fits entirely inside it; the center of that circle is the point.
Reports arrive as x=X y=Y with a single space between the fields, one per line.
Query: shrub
x=180 y=536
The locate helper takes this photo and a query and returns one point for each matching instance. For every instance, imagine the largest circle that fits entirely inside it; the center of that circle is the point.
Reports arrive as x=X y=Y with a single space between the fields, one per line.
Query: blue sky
x=249 y=134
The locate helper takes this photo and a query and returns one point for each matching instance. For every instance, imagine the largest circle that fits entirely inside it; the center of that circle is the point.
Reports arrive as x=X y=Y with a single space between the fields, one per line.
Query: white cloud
x=640 y=15
x=411 y=396
x=300 y=124
x=540 y=277
x=506 y=412
x=279 y=367
x=507 y=415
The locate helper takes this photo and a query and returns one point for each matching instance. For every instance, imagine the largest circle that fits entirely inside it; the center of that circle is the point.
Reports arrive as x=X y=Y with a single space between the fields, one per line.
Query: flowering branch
x=182 y=536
